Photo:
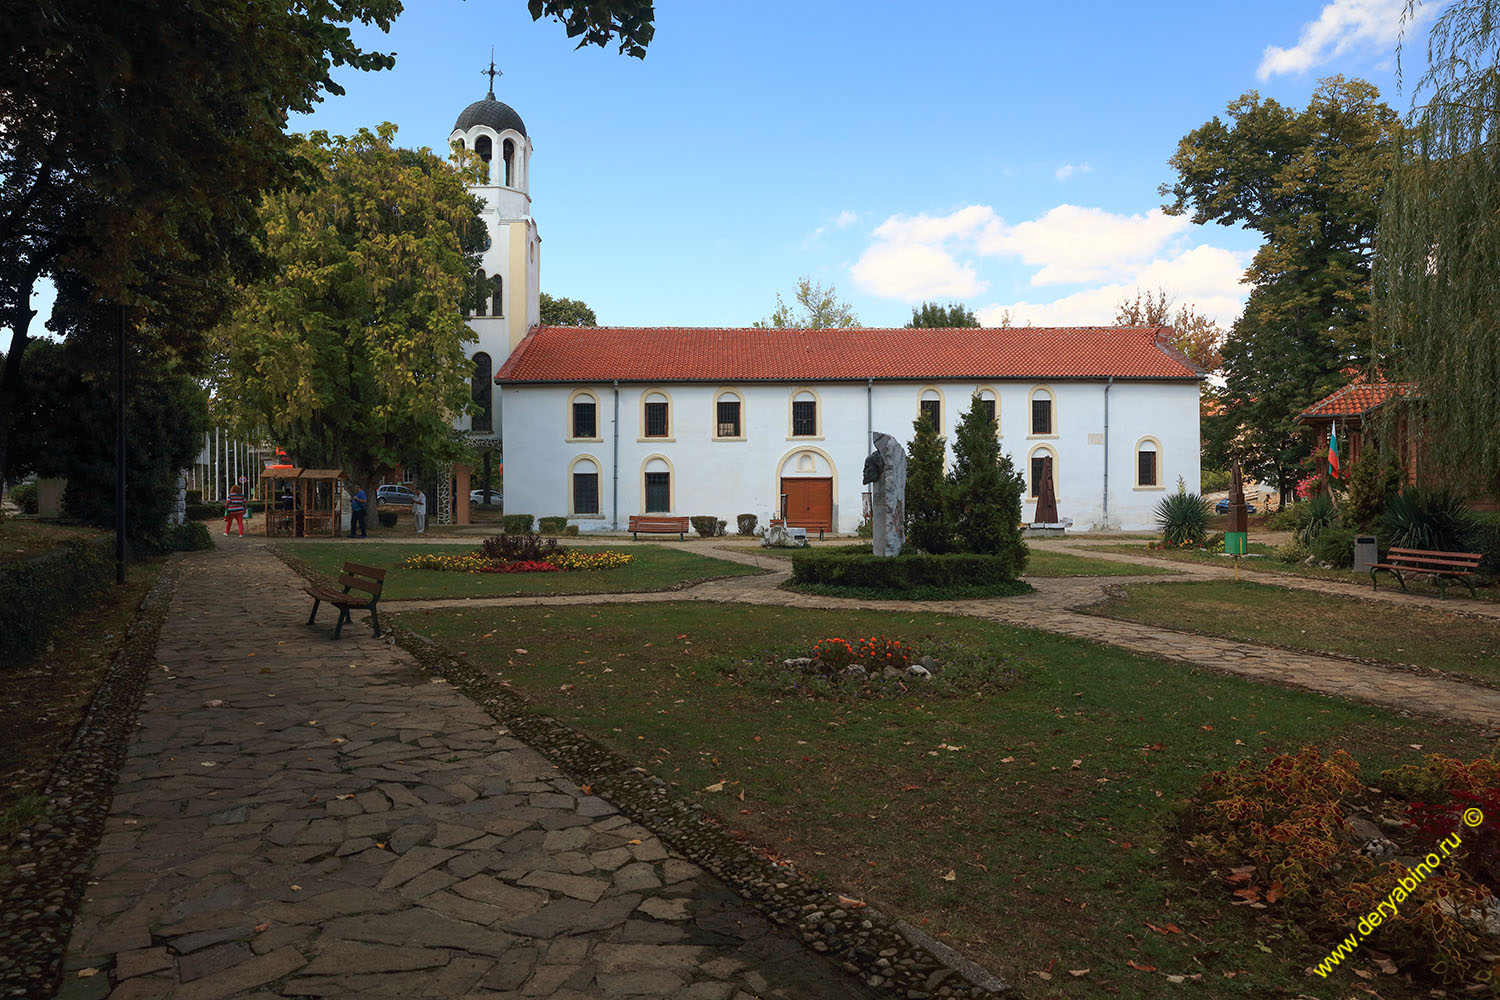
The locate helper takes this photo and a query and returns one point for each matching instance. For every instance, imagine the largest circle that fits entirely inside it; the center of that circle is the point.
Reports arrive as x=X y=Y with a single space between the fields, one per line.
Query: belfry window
x=508 y=155
x=486 y=152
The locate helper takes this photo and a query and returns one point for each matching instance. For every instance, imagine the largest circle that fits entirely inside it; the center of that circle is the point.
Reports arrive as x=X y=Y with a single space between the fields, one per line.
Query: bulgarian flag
x=1333 y=450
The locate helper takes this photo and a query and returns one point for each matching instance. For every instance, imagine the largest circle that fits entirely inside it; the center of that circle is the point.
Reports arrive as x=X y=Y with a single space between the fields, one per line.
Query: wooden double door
x=809 y=502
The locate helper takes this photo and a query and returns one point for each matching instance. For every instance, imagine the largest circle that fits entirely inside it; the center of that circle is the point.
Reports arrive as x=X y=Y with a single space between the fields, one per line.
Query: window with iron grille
x=933 y=411
x=585 y=492
x=804 y=417
x=1145 y=466
x=658 y=492
x=585 y=418
x=656 y=419
x=729 y=418
x=1041 y=415
x=987 y=407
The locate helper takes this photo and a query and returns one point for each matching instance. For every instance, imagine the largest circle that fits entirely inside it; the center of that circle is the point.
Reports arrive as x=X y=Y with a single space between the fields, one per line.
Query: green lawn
x=22 y=537
x=652 y=569
x=1258 y=612
x=1046 y=562
x=1029 y=822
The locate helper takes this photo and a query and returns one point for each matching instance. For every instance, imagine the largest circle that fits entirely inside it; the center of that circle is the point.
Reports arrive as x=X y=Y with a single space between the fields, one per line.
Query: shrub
x=189 y=536
x=571 y=531
x=194 y=496
x=40 y=593
x=1425 y=519
x=1292 y=552
x=1284 y=519
x=516 y=524
x=387 y=518
x=744 y=524
x=984 y=491
x=1371 y=482
x=1335 y=547
x=865 y=529
x=24 y=496
x=708 y=526
x=1313 y=516
x=522 y=547
x=1483 y=536
x=1183 y=518
x=867 y=571
x=551 y=525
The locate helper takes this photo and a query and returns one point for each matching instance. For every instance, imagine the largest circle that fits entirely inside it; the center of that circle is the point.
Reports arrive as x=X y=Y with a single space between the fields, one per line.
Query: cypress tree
x=928 y=526
x=984 y=491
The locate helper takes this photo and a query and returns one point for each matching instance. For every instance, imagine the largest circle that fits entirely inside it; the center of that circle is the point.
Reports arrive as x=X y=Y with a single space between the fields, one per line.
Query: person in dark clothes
x=357 y=512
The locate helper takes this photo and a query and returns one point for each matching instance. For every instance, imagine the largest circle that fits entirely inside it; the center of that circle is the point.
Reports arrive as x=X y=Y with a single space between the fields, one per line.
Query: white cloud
x=1341 y=26
x=844 y=220
x=915 y=271
x=1071 y=244
x=1208 y=278
x=1068 y=170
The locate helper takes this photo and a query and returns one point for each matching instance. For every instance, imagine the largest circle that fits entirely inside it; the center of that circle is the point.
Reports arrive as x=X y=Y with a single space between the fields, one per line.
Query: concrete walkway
x=306 y=818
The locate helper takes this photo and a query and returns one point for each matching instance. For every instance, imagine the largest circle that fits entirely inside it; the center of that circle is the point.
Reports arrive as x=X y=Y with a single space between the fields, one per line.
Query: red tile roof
x=675 y=354
x=1356 y=398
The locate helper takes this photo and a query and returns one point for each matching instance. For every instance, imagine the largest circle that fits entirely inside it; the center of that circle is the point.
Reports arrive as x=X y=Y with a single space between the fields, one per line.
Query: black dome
x=497 y=115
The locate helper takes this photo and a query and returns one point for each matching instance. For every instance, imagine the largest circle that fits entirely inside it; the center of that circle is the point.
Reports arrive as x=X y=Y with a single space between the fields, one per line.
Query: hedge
x=1483 y=536
x=904 y=572
x=516 y=524
x=708 y=526
x=552 y=525
x=42 y=592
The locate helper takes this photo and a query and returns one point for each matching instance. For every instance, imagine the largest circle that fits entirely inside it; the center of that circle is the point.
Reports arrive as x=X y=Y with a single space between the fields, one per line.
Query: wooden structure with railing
x=301 y=503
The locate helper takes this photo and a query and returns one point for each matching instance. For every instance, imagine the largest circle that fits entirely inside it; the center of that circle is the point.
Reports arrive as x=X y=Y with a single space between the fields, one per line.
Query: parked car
x=1222 y=506
x=394 y=495
x=476 y=498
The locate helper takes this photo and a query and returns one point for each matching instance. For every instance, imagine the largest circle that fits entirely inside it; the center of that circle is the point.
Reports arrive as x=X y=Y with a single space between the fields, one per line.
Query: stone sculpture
x=885 y=469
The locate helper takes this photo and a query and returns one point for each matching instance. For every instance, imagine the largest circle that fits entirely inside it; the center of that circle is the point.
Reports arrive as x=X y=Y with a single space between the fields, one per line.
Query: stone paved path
x=303 y=818
x=1049 y=608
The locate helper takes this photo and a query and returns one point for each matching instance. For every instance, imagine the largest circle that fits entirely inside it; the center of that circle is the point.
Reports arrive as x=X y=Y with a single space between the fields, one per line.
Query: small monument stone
x=885 y=470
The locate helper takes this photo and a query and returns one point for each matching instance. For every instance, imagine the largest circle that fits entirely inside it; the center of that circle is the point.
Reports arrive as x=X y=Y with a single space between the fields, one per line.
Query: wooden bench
x=1425 y=562
x=355 y=577
x=658 y=526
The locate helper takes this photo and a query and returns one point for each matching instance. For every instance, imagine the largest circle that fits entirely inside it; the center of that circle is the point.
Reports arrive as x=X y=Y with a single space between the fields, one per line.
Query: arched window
x=930 y=405
x=497 y=293
x=583 y=416
x=989 y=405
x=508 y=155
x=486 y=152
x=1043 y=420
x=1038 y=455
x=656 y=486
x=729 y=416
x=1148 y=463
x=481 y=282
x=483 y=392
x=804 y=414
x=656 y=417
x=585 y=486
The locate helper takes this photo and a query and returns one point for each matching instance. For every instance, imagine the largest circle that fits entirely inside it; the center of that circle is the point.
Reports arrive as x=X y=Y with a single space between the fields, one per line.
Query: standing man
x=419 y=511
x=234 y=511
x=357 y=512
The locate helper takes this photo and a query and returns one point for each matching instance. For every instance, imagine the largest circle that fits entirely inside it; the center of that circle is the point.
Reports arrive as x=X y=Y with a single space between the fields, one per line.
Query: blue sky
x=1006 y=155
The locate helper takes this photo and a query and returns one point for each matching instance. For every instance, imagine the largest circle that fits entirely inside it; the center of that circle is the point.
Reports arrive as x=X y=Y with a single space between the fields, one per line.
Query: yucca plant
x=1183 y=518
x=1425 y=519
x=1313 y=515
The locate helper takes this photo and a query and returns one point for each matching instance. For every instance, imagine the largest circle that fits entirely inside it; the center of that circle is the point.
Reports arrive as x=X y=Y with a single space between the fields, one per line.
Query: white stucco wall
x=729 y=477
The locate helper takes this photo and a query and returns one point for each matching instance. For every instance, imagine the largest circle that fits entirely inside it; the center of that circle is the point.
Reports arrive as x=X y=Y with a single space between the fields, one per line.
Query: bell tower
x=494 y=132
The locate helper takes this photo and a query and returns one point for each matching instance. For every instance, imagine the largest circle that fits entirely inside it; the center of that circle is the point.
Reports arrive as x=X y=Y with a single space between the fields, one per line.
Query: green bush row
x=517 y=524
x=869 y=572
x=708 y=526
x=40 y=593
x=212 y=510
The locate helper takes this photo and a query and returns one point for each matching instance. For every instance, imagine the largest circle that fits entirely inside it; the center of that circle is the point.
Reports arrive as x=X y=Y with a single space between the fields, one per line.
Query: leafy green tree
x=928 y=524
x=566 y=312
x=931 y=315
x=984 y=491
x=600 y=22
x=817 y=307
x=1309 y=182
x=350 y=352
x=1438 y=297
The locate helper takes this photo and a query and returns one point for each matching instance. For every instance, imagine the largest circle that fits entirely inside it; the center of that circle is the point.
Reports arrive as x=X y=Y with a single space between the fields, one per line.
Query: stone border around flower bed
x=916 y=967
x=52 y=858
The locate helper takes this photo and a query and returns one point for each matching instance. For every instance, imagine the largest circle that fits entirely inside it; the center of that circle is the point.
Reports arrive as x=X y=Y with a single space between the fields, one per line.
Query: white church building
x=601 y=423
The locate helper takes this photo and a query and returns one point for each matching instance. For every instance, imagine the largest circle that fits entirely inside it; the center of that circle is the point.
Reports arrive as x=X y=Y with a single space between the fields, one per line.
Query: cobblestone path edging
x=50 y=860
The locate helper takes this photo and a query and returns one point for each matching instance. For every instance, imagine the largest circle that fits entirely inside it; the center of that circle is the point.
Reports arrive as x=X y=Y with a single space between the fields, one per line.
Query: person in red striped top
x=234 y=511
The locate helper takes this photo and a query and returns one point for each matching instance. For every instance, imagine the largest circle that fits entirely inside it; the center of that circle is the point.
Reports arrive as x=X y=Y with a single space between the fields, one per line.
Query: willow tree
x=1438 y=253
x=350 y=352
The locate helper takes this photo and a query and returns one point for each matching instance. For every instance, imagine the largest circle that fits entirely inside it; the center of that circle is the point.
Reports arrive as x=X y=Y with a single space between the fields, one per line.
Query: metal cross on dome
x=492 y=72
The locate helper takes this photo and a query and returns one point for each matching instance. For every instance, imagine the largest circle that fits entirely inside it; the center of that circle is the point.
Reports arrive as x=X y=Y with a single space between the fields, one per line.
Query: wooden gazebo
x=301 y=503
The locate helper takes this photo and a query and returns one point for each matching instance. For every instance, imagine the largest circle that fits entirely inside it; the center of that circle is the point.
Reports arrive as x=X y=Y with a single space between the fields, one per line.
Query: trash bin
x=1365 y=552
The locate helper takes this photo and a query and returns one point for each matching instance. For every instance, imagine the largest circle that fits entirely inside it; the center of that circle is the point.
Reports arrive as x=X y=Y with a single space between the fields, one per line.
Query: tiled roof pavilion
x=679 y=354
x=1356 y=399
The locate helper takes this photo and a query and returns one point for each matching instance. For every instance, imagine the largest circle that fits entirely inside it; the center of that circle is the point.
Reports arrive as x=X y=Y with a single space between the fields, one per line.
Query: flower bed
x=556 y=560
